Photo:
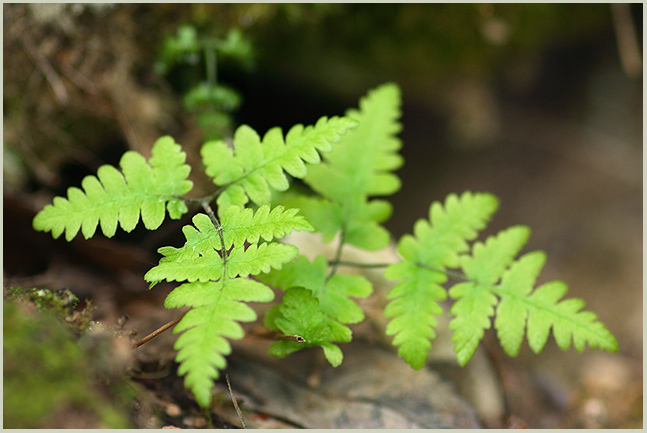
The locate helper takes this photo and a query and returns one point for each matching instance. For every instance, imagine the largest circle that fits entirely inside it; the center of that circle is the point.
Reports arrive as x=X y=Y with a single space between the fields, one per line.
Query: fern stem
x=452 y=274
x=335 y=262
x=216 y=223
x=358 y=264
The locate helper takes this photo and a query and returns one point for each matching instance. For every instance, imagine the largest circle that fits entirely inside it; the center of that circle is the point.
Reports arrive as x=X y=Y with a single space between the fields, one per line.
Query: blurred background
x=539 y=104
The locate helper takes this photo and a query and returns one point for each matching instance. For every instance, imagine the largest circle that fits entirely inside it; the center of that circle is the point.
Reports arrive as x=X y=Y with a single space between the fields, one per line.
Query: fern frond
x=333 y=295
x=324 y=215
x=215 y=261
x=476 y=303
x=413 y=308
x=496 y=279
x=360 y=166
x=199 y=259
x=262 y=258
x=240 y=225
x=567 y=321
x=217 y=309
x=299 y=314
x=147 y=188
x=254 y=166
x=435 y=246
x=541 y=309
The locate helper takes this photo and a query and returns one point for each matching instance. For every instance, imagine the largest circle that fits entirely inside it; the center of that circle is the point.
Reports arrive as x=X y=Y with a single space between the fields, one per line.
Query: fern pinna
x=491 y=277
x=346 y=162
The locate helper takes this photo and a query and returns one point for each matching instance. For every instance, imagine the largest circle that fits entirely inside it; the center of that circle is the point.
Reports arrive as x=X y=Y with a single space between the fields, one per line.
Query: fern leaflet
x=300 y=315
x=149 y=188
x=333 y=294
x=217 y=308
x=359 y=166
x=253 y=166
x=496 y=279
x=433 y=248
x=476 y=302
x=215 y=262
x=199 y=259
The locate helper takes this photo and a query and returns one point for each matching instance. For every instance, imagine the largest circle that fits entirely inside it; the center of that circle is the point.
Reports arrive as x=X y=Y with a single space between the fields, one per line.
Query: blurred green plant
x=48 y=370
x=211 y=101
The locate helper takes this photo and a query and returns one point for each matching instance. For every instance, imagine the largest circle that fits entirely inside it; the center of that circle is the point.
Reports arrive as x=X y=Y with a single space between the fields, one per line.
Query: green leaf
x=240 y=225
x=498 y=280
x=203 y=344
x=324 y=215
x=361 y=166
x=473 y=309
x=435 y=245
x=255 y=166
x=413 y=308
x=144 y=188
x=476 y=303
x=512 y=312
x=332 y=297
x=209 y=266
x=261 y=258
x=300 y=314
x=567 y=321
x=333 y=294
x=201 y=259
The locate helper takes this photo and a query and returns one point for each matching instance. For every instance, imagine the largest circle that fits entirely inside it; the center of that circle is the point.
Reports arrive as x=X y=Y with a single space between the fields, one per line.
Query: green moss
x=46 y=372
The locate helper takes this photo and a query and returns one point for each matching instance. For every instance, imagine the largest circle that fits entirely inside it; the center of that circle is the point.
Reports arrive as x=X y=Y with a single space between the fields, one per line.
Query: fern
x=492 y=279
x=113 y=197
x=253 y=166
x=493 y=271
x=217 y=308
x=333 y=299
x=347 y=162
x=359 y=167
x=435 y=247
x=299 y=315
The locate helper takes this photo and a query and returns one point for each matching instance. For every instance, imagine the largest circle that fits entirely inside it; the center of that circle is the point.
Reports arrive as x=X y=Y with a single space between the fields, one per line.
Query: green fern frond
x=147 y=188
x=476 y=302
x=300 y=315
x=252 y=167
x=435 y=245
x=240 y=225
x=203 y=344
x=262 y=258
x=496 y=279
x=199 y=260
x=333 y=294
x=215 y=261
x=360 y=166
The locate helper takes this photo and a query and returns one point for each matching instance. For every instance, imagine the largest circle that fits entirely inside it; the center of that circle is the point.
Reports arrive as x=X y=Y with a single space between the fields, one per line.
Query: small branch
x=452 y=274
x=210 y=62
x=158 y=331
x=275 y=335
x=233 y=399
